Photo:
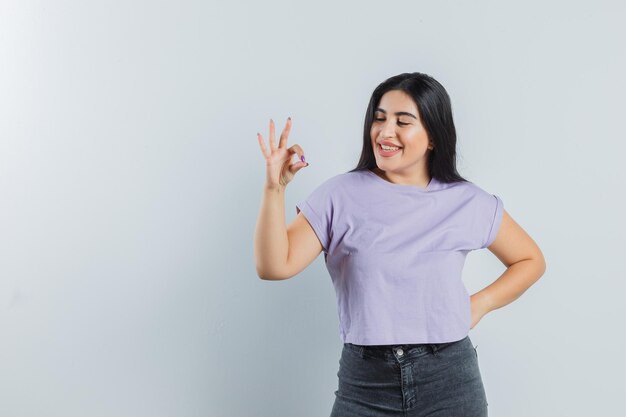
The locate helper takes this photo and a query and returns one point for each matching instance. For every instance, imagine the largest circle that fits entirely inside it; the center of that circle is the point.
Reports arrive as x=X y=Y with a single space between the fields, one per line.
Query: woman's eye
x=400 y=123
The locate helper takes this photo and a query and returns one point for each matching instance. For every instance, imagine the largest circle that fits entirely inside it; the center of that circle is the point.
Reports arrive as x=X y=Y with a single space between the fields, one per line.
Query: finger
x=262 y=145
x=297 y=166
x=297 y=150
x=285 y=134
x=272 y=140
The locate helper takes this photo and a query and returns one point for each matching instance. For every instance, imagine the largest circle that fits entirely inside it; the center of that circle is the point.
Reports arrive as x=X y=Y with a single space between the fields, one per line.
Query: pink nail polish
x=302 y=158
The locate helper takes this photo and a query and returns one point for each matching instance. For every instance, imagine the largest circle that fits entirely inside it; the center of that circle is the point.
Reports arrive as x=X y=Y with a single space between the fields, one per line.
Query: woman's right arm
x=271 y=243
x=281 y=252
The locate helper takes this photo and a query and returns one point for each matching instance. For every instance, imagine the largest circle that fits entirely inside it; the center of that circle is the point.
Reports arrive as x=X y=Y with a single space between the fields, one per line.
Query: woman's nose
x=388 y=130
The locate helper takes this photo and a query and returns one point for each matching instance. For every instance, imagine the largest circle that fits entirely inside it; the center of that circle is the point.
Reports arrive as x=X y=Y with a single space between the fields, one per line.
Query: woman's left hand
x=478 y=308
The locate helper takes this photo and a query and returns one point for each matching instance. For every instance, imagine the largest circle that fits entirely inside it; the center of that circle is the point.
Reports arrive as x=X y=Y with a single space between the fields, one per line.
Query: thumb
x=298 y=166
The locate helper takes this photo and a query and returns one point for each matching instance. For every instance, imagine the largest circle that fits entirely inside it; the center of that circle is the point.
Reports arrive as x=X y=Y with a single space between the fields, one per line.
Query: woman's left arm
x=525 y=265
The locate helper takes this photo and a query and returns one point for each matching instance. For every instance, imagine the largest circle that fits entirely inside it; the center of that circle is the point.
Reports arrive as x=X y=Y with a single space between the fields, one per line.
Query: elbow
x=262 y=271
x=263 y=274
x=534 y=263
x=269 y=276
x=540 y=261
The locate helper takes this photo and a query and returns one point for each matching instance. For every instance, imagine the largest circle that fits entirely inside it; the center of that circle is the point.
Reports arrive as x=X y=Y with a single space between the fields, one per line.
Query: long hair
x=435 y=111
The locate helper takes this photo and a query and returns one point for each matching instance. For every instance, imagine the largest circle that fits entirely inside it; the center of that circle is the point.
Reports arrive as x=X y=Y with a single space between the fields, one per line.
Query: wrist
x=481 y=298
x=274 y=188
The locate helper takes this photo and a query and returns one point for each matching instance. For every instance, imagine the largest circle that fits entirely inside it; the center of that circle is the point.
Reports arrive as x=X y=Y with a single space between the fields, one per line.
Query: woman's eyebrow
x=399 y=113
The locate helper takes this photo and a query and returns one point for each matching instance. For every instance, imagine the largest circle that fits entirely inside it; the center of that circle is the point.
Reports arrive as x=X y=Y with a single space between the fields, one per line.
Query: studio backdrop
x=131 y=181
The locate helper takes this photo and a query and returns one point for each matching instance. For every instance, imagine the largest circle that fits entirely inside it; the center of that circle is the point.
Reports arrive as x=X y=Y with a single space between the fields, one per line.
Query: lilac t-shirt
x=395 y=254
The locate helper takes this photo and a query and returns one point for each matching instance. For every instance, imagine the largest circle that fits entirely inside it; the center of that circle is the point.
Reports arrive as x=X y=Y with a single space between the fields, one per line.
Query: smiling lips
x=389 y=143
x=383 y=152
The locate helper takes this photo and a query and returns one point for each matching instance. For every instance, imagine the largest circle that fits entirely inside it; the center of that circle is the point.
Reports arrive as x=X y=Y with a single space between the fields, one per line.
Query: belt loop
x=433 y=348
x=361 y=350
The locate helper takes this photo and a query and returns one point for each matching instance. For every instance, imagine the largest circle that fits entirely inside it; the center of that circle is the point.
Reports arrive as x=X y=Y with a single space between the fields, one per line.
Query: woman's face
x=397 y=121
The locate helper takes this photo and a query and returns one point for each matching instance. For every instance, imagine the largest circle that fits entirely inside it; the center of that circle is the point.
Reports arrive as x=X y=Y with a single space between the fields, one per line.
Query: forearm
x=271 y=244
x=517 y=278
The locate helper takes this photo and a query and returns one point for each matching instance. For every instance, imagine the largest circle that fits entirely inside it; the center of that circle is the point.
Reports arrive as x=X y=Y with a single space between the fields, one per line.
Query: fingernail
x=289 y=118
x=302 y=158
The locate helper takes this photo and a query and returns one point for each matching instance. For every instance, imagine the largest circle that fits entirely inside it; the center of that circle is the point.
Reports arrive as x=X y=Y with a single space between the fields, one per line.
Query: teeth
x=389 y=148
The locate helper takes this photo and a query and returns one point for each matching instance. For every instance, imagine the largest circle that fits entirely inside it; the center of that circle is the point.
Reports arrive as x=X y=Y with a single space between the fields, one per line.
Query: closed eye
x=399 y=122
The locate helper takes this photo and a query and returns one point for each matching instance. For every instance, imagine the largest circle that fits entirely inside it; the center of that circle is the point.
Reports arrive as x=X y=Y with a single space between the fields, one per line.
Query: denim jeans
x=434 y=380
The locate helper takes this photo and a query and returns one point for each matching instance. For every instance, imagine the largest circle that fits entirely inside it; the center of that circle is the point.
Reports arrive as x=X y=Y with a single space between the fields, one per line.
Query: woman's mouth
x=383 y=152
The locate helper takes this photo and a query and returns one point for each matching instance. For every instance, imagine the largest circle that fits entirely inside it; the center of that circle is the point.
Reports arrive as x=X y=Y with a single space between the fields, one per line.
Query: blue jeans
x=434 y=380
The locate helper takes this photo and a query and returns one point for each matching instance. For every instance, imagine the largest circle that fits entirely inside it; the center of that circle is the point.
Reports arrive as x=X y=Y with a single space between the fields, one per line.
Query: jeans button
x=400 y=352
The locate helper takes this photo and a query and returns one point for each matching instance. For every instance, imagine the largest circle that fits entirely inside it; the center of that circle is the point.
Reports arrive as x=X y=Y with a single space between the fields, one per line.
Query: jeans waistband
x=387 y=350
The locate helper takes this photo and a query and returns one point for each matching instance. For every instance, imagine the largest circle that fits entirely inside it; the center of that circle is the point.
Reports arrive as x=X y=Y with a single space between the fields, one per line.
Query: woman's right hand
x=279 y=169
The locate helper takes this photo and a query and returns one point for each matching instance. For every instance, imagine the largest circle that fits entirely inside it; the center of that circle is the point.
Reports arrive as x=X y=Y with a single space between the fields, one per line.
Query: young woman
x=395 y=232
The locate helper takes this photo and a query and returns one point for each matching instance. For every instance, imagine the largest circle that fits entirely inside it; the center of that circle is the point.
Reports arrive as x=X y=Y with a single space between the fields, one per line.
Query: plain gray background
x=131 y=180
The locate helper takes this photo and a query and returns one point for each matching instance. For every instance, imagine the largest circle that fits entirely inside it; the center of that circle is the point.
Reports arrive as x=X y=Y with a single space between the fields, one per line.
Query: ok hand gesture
x=279 y=169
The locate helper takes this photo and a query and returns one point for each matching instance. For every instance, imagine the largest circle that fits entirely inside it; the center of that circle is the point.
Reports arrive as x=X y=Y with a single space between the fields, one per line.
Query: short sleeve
x=318 y=210
x=493 y=213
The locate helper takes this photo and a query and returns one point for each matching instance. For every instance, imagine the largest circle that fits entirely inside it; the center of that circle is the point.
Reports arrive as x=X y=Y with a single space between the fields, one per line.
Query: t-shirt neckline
x=402 y=187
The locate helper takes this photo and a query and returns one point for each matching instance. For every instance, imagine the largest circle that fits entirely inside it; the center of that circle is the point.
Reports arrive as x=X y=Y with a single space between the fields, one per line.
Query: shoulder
x=472 y=197
x=482 y=193
x=484 y=202
x=470 y=189
x=347 y=177
x=343 y=180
